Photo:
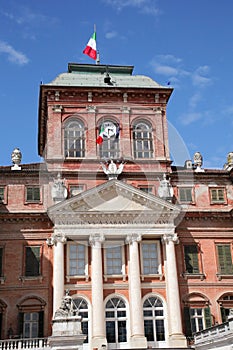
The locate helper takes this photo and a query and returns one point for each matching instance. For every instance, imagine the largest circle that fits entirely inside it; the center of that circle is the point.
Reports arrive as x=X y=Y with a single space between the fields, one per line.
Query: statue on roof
x=16 y=157
x=198 y=161
x=112 y=170
x=165 y=189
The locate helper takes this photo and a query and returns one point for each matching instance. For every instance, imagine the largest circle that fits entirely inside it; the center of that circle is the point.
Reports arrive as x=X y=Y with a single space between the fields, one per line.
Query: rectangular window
x=1 y=194
x=146 y=189
x=33 y=194
x=224 y=259
x=31 y=324
x=76 y=189
x=150 y=258
x=217 y=195
x=1 y=261
x=77 y=259
x=185 y=194
x=196 y=319
x=113 y=258
x=33 y=261
x=191 y=258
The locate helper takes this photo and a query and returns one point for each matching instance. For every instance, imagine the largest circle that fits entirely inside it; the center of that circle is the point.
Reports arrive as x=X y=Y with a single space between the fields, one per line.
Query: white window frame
x=85 y=274
x=217 y=201
x=123 y=268
x=116 y=319
x=159 y=274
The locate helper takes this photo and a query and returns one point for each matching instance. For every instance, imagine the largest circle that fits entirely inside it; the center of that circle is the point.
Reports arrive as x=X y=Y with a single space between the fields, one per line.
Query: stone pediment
x=113 y=202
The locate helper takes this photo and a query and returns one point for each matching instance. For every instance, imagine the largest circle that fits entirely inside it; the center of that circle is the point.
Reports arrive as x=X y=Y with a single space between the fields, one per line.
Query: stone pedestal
x=67 y=333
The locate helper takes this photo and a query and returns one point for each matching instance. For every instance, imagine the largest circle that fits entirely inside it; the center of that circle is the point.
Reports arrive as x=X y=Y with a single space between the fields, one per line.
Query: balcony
x=216 y=337
x=33 y=344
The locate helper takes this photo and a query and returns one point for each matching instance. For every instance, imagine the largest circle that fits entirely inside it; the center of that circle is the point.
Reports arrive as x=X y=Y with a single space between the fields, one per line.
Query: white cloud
x=195 y=99
x=12 y=54
x=111 y=34
x=145 y=6
x=200 y=78
x=190 y=117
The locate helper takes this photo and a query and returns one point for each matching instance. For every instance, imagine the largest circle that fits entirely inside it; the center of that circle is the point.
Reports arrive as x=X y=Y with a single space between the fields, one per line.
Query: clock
x=109 y=129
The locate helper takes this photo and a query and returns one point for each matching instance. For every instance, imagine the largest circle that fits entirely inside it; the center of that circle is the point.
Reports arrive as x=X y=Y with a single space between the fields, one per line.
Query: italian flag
x=90 y=49
x=100 y=138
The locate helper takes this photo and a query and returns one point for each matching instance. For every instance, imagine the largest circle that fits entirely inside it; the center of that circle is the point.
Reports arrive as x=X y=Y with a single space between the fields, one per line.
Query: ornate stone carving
x=94 y=238
x=229 y=164
x=112 y=170
x=165 y=189
x=198 y=161
x=16 y=157
x=133 y=238
x=67 y=308
x=57 y=237
x=59 y=191
x=170 y=237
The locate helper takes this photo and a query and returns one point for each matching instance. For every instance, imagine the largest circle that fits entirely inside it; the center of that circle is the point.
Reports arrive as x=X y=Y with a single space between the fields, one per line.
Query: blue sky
x=186 y=42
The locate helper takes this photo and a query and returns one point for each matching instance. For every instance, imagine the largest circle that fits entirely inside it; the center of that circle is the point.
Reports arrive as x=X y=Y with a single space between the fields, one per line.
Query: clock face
x=109 y=129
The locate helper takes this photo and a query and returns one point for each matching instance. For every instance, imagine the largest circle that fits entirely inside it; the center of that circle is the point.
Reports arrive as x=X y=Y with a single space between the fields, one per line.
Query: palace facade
x=143 y=246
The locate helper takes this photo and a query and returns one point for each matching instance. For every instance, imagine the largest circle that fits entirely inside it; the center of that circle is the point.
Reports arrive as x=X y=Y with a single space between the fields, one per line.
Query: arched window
x=226 y=306
x=142 y=140
x=74 y=139
x=108 y=140
x=82 y=308
x=153 y=312
x=31 y=317
x=197 y=315
x=115 y=316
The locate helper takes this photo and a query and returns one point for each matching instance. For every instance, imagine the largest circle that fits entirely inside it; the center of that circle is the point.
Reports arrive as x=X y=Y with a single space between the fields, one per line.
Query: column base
x=99 y=343
x=138 y=342
x=177 y=341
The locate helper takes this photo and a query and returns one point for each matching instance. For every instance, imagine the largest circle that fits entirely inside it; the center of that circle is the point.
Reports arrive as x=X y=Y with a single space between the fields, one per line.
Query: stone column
x=176 y=337
x=138 y=340
x=98 y=334
x=58 y=270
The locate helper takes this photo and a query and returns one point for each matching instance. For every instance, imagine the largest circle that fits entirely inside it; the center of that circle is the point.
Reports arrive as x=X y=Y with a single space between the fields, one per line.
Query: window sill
x=78 y=277
x=106 y=277
x=200 y=276
x=220 y=276
x=157 y=276
x=31 y=278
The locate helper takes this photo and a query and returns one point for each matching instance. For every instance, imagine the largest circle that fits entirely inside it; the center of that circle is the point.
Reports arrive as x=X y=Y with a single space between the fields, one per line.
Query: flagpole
x=97 y=61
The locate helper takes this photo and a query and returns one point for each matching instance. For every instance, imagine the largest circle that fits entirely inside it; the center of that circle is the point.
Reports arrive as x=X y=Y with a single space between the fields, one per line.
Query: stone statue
x=111 y=170
x=67 y=307
x=16 y=157
x=59 y=190
x=229 y=164
x=198 y=161
x=165 y=189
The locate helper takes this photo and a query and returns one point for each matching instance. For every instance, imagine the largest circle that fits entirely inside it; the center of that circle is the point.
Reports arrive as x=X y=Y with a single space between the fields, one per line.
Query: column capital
x=56 y=238
x=135 y=237
x=170 y=237
x=96 y=237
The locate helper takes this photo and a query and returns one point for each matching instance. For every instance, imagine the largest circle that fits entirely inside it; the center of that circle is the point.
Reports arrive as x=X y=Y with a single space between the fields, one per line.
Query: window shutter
x=32 y=266
x=41 y=324
x=191 y=258
x=223 y=314
x=20 y=324
x=188 y=331
x=224 y=258
x=208 y=318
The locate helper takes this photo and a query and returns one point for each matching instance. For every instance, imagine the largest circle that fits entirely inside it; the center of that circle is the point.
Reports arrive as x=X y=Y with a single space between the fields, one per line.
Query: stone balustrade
x=32 y=344
x=216 y=337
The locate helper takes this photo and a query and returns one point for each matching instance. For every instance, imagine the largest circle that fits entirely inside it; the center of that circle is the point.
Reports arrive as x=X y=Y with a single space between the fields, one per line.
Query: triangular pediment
x=113 y=199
